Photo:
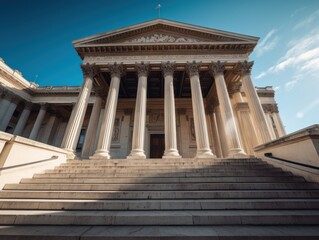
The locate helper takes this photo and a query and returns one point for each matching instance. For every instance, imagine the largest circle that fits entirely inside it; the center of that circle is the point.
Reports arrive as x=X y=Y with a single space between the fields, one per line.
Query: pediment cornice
x=159 y=32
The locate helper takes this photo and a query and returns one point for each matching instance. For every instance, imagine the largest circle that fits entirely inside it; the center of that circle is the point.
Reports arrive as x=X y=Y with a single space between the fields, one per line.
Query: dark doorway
x=157 y=145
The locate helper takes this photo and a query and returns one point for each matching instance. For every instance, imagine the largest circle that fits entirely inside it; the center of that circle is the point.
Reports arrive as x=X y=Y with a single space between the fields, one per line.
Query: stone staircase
x=161 y=199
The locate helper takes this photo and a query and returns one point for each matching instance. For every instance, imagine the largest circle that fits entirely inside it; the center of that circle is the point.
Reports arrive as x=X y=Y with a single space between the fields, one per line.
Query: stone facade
x=156 y=89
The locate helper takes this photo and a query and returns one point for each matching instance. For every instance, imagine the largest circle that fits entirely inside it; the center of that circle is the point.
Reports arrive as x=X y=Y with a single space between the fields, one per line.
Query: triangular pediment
x=163 y=31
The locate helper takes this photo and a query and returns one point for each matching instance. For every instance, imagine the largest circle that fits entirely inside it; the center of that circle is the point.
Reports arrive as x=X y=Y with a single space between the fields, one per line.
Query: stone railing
x=300 y=148
x=21 y=158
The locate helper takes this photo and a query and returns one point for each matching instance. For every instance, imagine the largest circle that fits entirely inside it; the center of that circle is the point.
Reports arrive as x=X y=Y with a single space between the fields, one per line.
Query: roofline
x=164 y=21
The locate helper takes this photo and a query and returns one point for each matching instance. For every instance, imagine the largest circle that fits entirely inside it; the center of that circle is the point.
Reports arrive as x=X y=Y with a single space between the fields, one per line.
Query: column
x=5 y=103
x=36 y=127
x=92 y=127
x=76 y=119
x=105 y=138
x=255 y=107
x=23 y=119
x=216 y=135
x=279 y=125
x=169 y=112
x=138 y=137
x=8 y=115
x=48 y=128
x=234 y=146
x=202 y=141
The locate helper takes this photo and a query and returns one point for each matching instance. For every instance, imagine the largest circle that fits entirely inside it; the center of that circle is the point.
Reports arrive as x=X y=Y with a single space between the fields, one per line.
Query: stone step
x=162 y=175
x=100 y=195
x=165 y=171
x=166 y=161
x=167 y=186
x=164 y=218
x=164 y=180
x=235 y=232
x=147 y=205
x=132 y=163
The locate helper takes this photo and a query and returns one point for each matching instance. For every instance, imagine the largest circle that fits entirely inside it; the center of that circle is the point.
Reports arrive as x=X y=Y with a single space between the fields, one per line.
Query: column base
x=171 y=153
x=70 y=153
x=101 y=155
x=237 y=153
x=137 y=154
x=205 y=153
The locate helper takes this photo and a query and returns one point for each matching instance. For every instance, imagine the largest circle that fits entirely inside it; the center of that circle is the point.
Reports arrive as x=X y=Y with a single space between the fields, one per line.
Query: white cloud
x=297 y=11
x=276 y=88
x=303 y=56
x=308 y=20
x=290 y=85
x=268 y=43
x=308 y=108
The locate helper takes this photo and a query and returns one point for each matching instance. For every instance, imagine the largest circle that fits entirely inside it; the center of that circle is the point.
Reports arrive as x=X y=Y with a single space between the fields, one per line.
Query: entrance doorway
x=157 y=145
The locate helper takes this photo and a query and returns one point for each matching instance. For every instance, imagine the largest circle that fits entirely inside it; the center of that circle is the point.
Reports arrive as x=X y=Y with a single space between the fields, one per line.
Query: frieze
x=233 y=58
x=162 y=38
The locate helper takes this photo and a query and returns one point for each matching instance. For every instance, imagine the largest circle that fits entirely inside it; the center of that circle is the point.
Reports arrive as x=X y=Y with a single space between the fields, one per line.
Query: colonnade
x=235 y=149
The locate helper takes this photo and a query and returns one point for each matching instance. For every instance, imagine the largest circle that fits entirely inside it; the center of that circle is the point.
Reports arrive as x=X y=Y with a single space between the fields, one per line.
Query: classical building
x=159 y=89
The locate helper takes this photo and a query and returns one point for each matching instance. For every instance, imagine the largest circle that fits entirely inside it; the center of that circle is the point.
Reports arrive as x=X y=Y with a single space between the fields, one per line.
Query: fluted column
x=137 y=151
x=38 y=122
x=78 y=113
x=23 y=119
x=105 y=138
x=8 y=115
x=254 y=104
x=169 y=112
x=202 y=140
x=234 y=146
x=92 y=127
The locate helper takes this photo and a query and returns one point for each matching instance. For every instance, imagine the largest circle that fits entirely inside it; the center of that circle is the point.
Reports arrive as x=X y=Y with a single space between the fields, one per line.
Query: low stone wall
x=21 y=158
x=301 y=147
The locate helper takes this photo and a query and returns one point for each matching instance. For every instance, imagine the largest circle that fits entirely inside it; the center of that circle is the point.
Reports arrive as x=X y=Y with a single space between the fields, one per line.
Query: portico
x=162 y=89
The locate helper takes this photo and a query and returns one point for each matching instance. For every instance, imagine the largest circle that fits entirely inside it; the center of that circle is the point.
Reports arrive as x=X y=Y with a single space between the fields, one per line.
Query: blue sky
x=36 y=37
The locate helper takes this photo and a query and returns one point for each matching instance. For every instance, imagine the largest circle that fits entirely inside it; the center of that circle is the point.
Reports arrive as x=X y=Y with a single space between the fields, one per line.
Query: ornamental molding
x=168 y=68
x=116 y=70
x=192 y=68
x=205 y=58
x=217 y=68
x=142 y=68
x=270 y=108
x=244 y=67
x=162 y=38
x=89 y=70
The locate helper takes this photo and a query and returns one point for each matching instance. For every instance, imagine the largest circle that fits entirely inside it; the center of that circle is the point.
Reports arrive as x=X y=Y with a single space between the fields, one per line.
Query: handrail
x=26 y=164
x=269 y=155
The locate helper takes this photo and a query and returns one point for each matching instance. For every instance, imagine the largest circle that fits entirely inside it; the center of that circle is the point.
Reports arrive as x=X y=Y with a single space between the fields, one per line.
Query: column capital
x=244 y=68
x=235 y=87
x=192 y=68
x=217 y=68
x=168 y=68
x=116 y=70
x=142 y=68
x=89 y=70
